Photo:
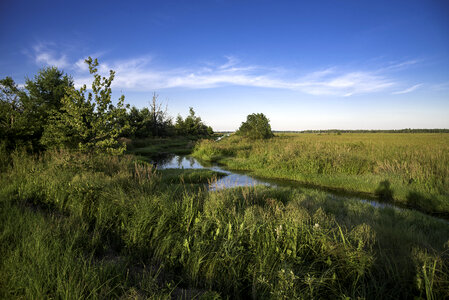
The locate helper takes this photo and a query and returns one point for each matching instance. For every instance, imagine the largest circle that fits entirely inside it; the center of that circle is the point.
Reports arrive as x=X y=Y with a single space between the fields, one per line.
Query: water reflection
x=371 y=202
x=223 y=136
x=162 y=159
x=235 y=180
x=229 y=181
x=177 y=162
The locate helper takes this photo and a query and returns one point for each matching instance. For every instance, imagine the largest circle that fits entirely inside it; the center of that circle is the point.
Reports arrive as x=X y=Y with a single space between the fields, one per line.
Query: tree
x=159 y=120
x=43 y=98
x=10 y=105
x=89 y=121
x=25 y=112
x=179 y=125
x=13 y=125
x=137 y=119
x=46 y=91
x=257 y=126
x=152 y=121
x=192 y=125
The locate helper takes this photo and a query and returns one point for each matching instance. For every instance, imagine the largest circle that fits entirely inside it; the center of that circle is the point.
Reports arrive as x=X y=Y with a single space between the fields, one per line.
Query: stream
x=239 y=179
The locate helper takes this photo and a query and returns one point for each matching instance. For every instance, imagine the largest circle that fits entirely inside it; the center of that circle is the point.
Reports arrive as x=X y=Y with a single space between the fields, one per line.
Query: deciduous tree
x=89 y=121
x=257 y=126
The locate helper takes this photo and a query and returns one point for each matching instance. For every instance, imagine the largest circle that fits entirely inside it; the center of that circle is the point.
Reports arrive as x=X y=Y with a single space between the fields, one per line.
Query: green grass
x=195 y=176
x=407 y=169
x=80 y=226
x=61 y=224
x=154 y=147
x=48 y=255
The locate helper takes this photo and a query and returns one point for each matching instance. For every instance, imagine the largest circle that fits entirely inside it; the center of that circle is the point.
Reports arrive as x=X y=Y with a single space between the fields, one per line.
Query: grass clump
x=154 y=147
x=197 y=176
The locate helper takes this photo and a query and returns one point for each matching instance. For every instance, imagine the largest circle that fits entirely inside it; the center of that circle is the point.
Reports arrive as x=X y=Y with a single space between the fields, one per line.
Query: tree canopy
x=89 y=121
x=192 y=125
x=25 y=112
x=150 y=122
x=257 y=126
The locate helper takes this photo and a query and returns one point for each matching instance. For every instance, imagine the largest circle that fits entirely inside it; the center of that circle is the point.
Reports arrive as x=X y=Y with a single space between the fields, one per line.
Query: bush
x=257 y=126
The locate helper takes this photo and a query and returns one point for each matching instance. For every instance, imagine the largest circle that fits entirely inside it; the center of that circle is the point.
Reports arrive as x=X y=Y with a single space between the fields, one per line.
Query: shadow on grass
x=427 y=204
x=406 y=241
x=384 y=191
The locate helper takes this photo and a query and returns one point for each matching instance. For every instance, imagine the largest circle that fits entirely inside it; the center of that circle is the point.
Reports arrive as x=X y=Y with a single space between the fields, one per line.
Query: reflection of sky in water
x=371 y=202
x=231 y=180
x=377 y=204
x=180 y=162
x=234 y=180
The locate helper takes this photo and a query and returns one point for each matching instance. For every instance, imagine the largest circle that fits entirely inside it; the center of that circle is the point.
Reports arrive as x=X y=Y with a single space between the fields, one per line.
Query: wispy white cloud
x=399 y=65
x=231 y=62
x=44 y=55
x=138 y=74
x=333 y=82
x=142 y=74
x=408 y=90
x=81 y=65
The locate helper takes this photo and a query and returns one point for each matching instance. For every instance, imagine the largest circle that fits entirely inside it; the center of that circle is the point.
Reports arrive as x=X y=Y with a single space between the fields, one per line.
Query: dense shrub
x=257 y=126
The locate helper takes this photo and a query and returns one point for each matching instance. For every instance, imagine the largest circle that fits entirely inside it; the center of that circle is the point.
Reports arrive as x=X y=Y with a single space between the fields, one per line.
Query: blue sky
x=305 y=64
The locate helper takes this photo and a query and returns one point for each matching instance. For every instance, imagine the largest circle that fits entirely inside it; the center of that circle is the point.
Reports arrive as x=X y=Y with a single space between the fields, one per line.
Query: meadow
x=407 y=169
x=94 y=226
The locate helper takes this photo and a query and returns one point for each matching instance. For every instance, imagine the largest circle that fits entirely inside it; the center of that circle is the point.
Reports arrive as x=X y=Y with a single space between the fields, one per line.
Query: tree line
x=405 y=130
x=49 y=112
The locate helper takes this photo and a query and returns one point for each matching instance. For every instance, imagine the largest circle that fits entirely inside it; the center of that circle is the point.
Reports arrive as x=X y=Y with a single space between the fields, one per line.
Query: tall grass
x=414 y=165
x=79 y=226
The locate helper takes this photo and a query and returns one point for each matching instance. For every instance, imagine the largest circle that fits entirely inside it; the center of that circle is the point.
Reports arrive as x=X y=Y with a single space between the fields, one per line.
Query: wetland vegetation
x=77 y=225
x=81 y=218
x=410 y=169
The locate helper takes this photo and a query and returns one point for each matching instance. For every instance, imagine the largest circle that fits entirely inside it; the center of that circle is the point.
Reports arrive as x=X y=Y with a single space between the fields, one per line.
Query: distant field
x=411 y=169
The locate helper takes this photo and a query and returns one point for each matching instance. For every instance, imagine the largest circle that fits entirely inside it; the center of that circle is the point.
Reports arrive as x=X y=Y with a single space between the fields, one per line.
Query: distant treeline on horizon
x=405 y=130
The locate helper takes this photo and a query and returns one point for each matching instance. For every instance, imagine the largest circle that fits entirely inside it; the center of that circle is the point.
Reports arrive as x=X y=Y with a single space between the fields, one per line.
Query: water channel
x=239 y=179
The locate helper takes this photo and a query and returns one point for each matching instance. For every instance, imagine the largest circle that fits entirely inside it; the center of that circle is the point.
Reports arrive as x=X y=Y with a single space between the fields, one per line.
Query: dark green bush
x=257 y=126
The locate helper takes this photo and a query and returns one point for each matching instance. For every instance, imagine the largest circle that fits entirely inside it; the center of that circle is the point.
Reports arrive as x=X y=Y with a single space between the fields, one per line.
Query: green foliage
x=257 y=126
x=154 y=122
x=384 y=192
x=150 y=122
x=25 y=112
x=190 y=176
x=157 y=147
x=13 y=124
x=49 y=112
x=89 y=123
x=45 y=92
x=192 y=125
